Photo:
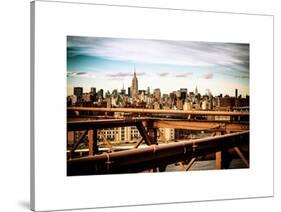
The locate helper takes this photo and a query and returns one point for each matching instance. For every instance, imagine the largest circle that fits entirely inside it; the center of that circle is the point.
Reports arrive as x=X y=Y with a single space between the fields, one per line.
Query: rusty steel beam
x=104 y=123
x=78 y=142
x=190 y=163
x=138 y=143
x=243 y=158
x=136 y=160
x=143 y=133
x=159 y=123
x=153 y=111
x=202 y=125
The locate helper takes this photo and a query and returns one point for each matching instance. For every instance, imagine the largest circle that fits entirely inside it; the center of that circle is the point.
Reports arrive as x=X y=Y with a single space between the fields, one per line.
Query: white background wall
x=14 y=104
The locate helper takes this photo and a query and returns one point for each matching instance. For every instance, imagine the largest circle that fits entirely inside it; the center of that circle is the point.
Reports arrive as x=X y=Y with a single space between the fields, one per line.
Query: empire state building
x=135 y=89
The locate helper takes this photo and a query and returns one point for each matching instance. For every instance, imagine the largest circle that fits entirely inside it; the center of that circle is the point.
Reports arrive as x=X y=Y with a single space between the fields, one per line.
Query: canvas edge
x=32 y=105
x=32 y=113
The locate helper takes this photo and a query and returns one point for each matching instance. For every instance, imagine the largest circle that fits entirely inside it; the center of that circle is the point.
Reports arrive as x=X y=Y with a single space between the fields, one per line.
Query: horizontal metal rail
x=154 y=111
x=202 y=125
x=83 y=124
x=102 y=123
x=136 y=160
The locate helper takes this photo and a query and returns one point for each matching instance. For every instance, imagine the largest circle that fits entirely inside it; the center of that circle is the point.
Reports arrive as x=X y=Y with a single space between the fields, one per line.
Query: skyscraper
x=129 y=91
x=148 y=91
x=123 y=91
x=78 y=92
x=183 y=93
x=93 y=93
x=157 y=93
x=135 y=89
x=100 y=94
x=196 y=91
x=93 y=90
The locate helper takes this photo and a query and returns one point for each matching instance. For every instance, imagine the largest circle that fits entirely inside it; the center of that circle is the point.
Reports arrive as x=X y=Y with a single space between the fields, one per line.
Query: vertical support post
x=218 y=155
x=155 y=135
x=90 y=144
x=223 y=159
x=93 y=142
x=219 y=160
x=151 y=132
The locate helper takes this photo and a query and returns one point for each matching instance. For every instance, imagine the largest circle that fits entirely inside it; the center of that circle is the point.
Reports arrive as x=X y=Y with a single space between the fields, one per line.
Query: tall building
x=183 y=93
x=123 y=91
x=135 y=89
x=236 y=96
x=157 y=93
x=78 y=92
x=100 y=94
x=93 y=90
x=72 y=99
x=93 y=93
x=196 y=91
x=129 y=91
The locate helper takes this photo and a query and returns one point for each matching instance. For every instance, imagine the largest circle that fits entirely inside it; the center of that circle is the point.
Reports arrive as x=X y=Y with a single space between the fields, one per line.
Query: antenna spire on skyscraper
x=134 y=71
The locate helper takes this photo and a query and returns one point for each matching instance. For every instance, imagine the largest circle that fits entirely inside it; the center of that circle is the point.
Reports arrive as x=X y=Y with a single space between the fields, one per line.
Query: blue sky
x=108 y=63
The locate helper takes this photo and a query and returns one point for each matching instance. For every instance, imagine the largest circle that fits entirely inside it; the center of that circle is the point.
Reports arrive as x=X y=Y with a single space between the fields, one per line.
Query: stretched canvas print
x=136 y=105
x=126 y=100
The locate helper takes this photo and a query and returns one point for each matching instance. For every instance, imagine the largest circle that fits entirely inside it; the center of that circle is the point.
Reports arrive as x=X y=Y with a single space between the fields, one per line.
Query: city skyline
x=109 y=63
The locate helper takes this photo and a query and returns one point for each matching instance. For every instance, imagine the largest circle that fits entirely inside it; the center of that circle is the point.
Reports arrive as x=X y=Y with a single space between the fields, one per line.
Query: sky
x=109 y=63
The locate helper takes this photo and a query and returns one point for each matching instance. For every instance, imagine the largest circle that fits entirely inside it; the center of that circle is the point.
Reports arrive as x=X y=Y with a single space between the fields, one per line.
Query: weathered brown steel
x=78 y=142
x=95 y=144
x=202 y=125
x=243 y=158
x=190 y=163
x=106 y=142
x=139 y=143
x=91 y=142
x=159 y=123
x=135 y=160
x=103 y=123
x=154 y=111
x=143 y=133
x=219 y=160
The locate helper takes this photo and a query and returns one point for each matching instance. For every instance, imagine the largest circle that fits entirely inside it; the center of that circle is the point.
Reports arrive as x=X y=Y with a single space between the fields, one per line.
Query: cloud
x=240 y=76
x=187 y=74
x=80 y=74
x=231 y=59
x=208 y=76
x=163 y=74
x=236 y=72
x=161 y=52
x=121 y=75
